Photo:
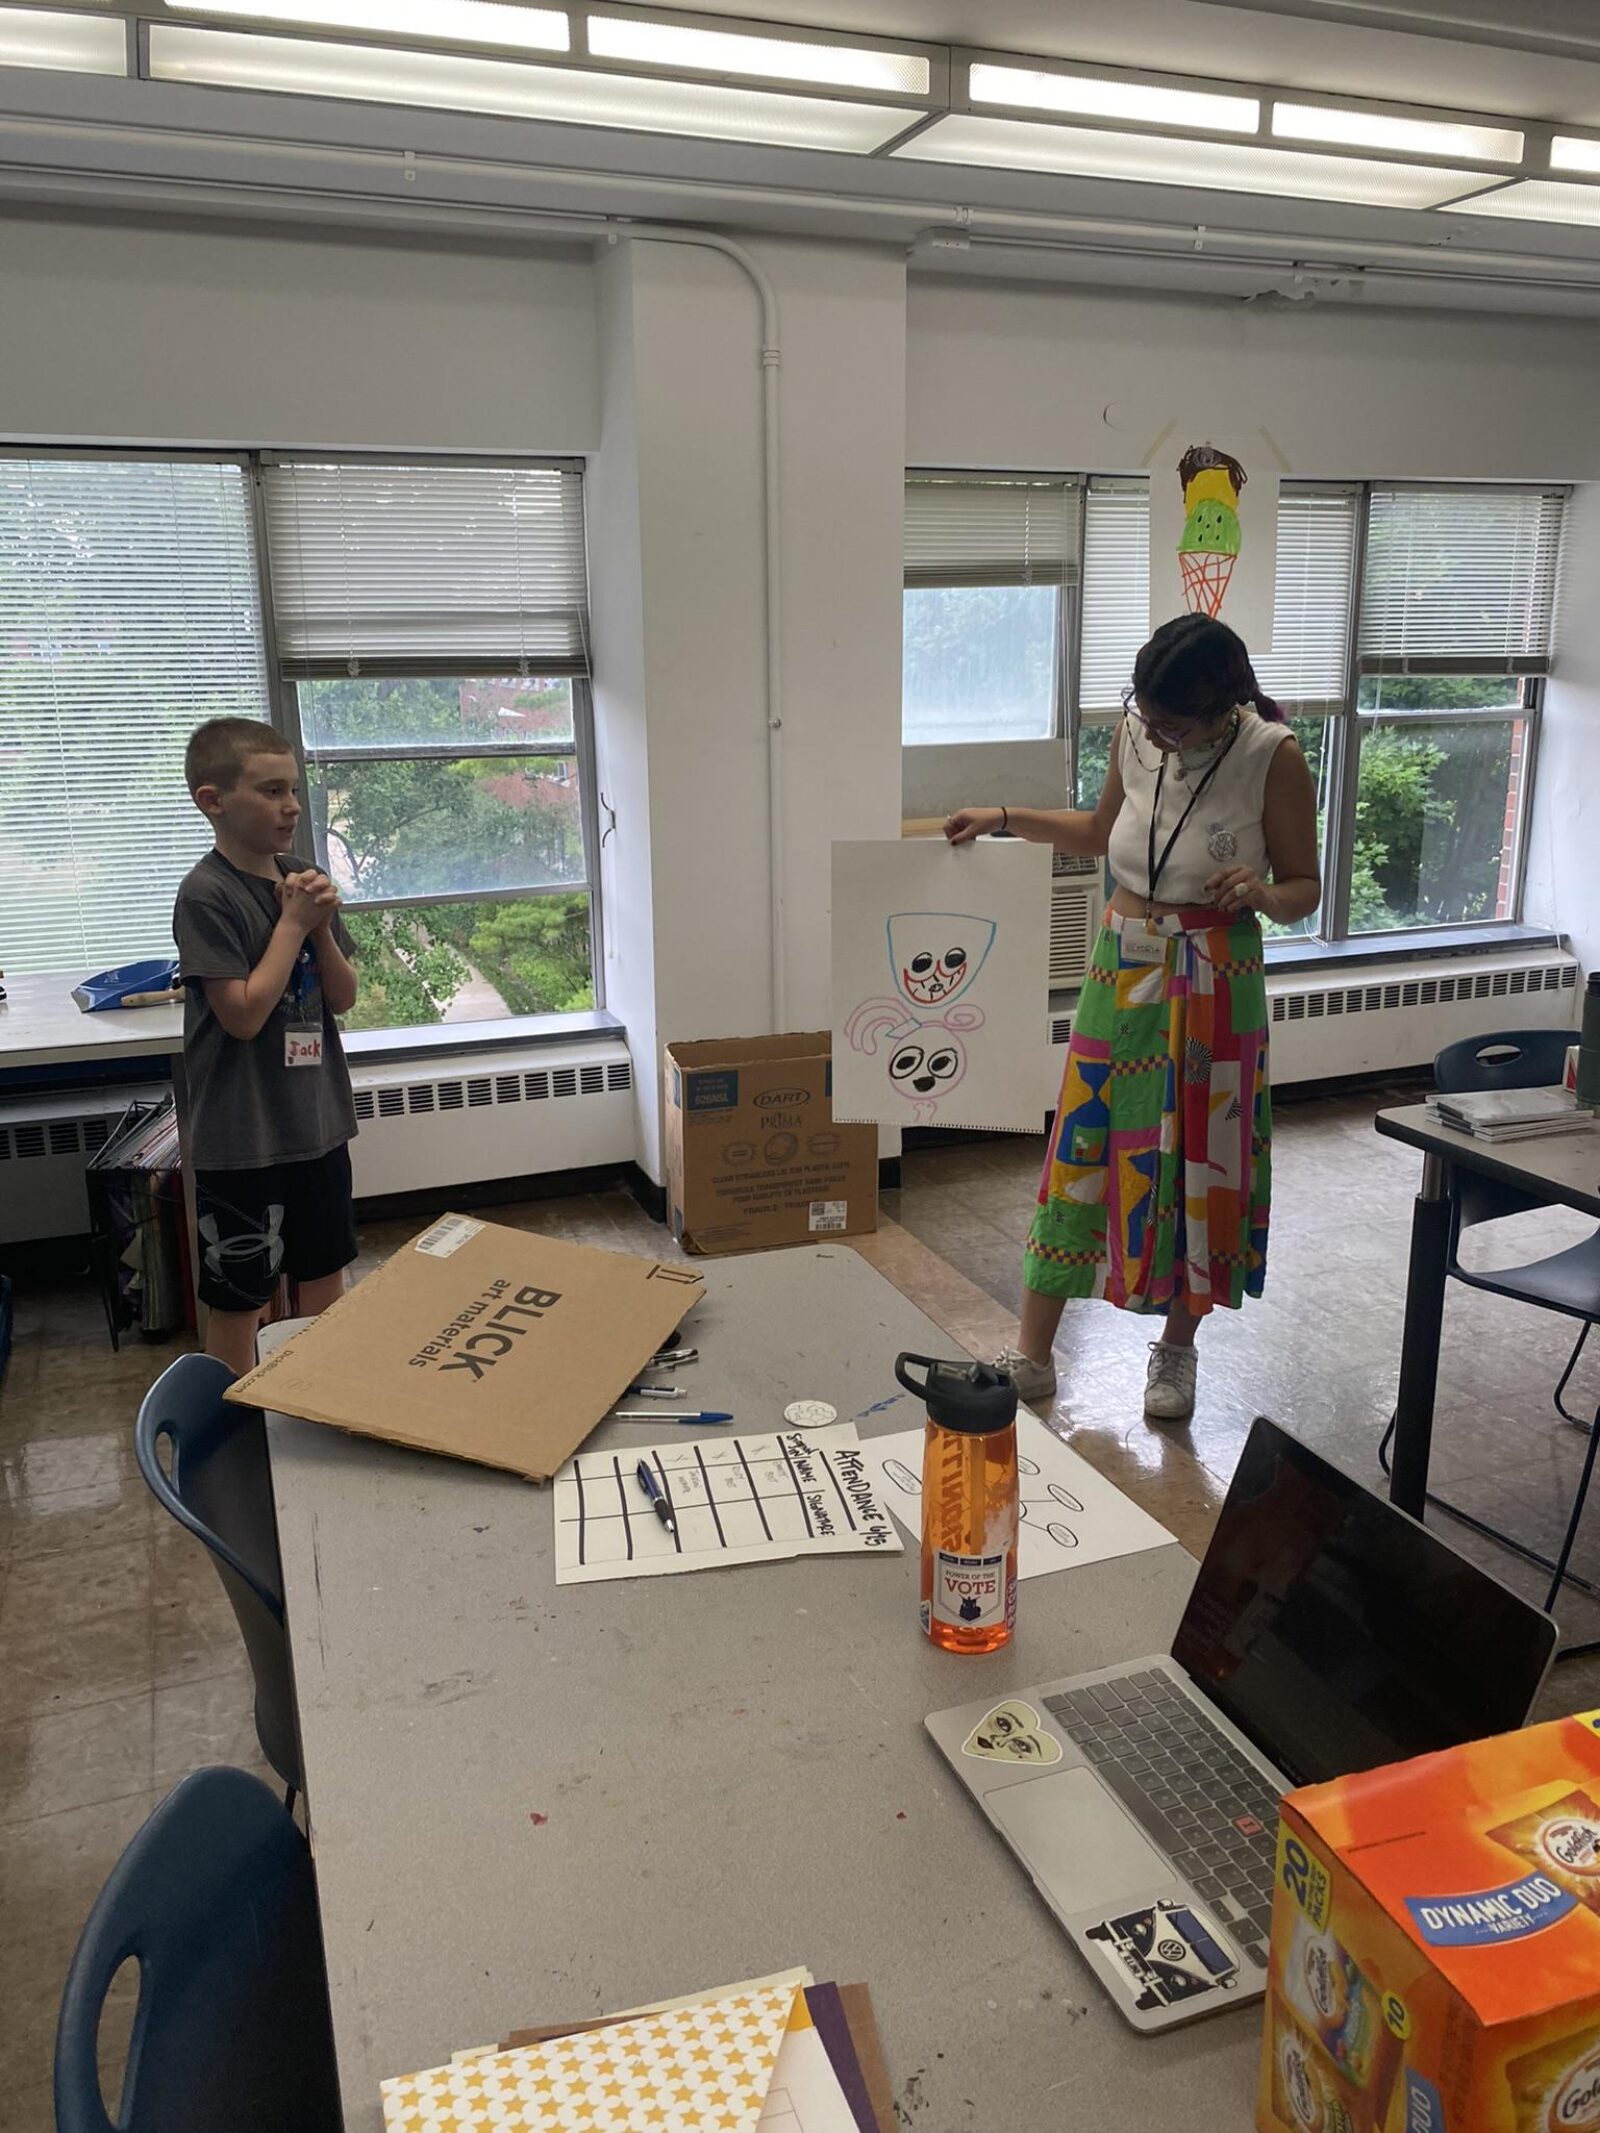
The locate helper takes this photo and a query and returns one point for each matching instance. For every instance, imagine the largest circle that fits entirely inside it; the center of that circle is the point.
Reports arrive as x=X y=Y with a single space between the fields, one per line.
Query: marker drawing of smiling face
x=936 y=955
x=927 y=1067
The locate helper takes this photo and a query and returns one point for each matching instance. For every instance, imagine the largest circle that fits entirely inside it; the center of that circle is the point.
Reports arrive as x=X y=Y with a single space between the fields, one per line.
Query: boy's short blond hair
x=218 y=751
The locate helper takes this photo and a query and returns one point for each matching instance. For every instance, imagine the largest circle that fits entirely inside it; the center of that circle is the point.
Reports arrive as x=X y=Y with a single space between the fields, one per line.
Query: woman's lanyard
x=1155 y=868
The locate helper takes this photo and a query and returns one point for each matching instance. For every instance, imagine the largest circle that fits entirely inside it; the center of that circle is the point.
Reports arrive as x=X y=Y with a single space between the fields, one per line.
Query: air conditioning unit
x=1324 y=1028
x=461 y=1117
x=45 y=1141
x=1077 y=901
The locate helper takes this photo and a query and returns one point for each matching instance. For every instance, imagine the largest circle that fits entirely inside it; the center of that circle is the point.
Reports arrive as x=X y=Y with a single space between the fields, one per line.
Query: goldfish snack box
x=1436 y=1944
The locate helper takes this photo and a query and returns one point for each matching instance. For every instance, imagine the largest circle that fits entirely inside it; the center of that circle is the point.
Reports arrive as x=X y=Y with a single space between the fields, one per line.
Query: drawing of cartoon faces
x=927 y=1066
x=935 y=955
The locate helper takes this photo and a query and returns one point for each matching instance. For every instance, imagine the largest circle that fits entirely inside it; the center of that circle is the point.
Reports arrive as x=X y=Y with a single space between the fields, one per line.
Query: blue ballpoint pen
x=670 y=1414
x=657 y=1495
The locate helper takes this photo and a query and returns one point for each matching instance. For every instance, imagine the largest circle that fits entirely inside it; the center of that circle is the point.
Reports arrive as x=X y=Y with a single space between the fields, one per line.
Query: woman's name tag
x=1141 y=945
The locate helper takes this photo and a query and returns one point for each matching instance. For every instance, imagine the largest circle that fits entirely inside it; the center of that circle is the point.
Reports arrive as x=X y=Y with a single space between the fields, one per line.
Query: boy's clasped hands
x=307 y=900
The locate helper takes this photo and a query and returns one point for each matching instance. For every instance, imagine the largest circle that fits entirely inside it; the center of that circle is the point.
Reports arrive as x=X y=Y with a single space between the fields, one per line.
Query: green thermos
x=1589 y=1046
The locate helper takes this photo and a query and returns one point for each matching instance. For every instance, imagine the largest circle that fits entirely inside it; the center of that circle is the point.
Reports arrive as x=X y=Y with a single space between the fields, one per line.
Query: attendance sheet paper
x=733 y=1499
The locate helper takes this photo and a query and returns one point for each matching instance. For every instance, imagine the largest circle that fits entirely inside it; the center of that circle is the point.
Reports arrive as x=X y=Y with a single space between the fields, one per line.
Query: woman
x=1157 y=1181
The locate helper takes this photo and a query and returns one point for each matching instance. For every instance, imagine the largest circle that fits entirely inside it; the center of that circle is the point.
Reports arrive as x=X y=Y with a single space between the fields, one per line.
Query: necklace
x=1206 y=754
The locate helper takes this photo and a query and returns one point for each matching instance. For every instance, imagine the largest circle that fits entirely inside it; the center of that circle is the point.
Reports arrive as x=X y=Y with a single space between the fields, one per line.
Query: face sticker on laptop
x=1165 y=1955
x=1012 y=1733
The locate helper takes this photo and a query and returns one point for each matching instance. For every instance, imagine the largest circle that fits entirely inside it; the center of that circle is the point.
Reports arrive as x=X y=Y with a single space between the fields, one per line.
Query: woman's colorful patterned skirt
x=1159 y=1176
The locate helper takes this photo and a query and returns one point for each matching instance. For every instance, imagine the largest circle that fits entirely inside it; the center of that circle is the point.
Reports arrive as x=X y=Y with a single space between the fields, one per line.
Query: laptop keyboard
x=1185 y=1784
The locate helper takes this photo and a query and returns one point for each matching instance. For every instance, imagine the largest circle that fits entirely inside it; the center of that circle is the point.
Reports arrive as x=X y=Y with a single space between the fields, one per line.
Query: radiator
x=44 y=1141
x=1325 y=1027
x=465 y=1116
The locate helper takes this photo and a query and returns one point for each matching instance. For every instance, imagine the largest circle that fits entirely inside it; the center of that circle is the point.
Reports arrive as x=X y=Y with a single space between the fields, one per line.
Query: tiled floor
x=120 y=1665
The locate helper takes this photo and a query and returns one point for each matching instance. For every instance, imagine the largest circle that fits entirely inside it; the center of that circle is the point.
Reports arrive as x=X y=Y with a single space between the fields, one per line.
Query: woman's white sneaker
x=1034 y=1381
x=1169 y=1387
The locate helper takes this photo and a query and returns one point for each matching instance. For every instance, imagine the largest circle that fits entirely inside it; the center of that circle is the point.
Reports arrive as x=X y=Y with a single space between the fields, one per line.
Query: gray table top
x=42 y=1025
x=531 y=1804
x=1564 y=1165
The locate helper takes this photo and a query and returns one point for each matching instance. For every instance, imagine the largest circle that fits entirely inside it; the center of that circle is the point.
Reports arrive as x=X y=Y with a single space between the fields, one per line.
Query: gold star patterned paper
x=704 y=2065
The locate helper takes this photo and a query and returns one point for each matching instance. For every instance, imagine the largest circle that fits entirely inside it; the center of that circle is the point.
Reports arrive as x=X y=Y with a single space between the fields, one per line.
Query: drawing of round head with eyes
x=925 y=1068
x=935 y=955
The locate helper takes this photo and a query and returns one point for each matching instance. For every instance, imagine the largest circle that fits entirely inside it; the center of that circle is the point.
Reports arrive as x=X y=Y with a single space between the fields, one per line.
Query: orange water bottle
x=969 y=1502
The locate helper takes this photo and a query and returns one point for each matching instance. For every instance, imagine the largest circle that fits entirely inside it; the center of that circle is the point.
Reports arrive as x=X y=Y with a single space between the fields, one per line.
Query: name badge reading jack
x=302 y=1047
x=1140 y=945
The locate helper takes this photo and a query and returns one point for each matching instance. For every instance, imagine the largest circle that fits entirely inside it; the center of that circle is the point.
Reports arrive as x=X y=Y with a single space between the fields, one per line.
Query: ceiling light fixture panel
x=1448 y=138
x=1095 y=96
x=504 y=88
x=1570 y=151
x=538 y=29
x=715 y=51
x=1536 y=200
x=1213 y=166
x=63 y=43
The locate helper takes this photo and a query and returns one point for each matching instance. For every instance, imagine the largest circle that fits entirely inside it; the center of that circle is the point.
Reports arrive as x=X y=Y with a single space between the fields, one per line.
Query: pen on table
x=671 y=1358
x=670 y=1414
x=655 y=1392
x=657 y=1495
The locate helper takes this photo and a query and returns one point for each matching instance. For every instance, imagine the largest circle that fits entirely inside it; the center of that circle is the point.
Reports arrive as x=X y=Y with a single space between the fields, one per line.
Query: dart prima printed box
x=754 y=1158
x=480 y=1341
x=1436 y=1944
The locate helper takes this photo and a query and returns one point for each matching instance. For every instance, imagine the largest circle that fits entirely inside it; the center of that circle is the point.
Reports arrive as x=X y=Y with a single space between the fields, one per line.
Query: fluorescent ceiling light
x=1407 y=136
x=1569 y=151
x=575 y=96
x=542 y=29
x=1214 y=166
x=1537 y=201
x=1094 y=98
x=836 y=66
x=66 y=44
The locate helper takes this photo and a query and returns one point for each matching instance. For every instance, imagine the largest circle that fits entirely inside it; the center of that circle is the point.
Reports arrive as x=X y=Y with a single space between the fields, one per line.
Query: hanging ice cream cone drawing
x=1208 y=547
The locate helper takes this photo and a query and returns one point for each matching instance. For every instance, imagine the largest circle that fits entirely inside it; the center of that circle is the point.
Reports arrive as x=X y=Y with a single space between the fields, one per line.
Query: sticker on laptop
x=1012 y=1733
x=1164 y=1955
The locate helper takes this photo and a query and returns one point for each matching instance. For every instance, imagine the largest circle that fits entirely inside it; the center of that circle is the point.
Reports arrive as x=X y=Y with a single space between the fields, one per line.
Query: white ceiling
x=1250 y=38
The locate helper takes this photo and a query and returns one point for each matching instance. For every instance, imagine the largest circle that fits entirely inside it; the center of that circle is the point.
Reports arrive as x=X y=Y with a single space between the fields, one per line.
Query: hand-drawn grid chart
x=732 y=1499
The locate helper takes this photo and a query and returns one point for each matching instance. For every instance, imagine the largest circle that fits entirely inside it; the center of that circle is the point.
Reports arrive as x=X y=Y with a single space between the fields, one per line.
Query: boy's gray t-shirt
x=248 y=1107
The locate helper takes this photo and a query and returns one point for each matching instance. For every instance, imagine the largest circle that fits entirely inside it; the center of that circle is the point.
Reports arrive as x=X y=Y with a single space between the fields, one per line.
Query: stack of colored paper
x=777 y=2055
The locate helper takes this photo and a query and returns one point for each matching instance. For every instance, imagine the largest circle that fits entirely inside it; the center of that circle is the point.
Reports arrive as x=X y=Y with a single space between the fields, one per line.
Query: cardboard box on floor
x=754 y=1158
x=1435 y=1958
x=481 y=1342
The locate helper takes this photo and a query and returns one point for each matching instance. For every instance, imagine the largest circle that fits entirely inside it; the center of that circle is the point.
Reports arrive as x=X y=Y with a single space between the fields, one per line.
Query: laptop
x=1327 y=1632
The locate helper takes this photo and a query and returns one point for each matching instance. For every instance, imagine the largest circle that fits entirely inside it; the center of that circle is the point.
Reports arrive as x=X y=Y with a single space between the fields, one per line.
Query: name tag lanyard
x=1155 y=868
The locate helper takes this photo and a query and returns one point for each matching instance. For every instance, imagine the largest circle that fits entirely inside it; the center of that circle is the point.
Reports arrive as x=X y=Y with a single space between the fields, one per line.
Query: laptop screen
x=1338 y=1634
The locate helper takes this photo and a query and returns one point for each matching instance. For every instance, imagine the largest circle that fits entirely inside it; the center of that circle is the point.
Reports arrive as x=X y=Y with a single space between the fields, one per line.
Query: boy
x=264 y=957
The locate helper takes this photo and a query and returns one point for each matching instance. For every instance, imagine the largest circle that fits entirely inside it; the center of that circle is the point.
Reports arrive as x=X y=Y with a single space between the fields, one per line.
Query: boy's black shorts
x=255 y=1225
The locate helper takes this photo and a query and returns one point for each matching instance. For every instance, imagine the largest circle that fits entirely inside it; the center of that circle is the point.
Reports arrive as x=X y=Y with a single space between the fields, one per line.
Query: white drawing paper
x=1214 y=535
x=733 y=1500
x=1070 y=1513
x=941 y=983
x=805 y=2095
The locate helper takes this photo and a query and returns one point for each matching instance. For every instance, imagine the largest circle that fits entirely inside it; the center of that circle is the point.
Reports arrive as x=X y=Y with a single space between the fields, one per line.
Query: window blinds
x=449 y=569
x=1460 y=580
x=963 y=529
x=1305 y=670
x=128 y=613
x=1116 y=590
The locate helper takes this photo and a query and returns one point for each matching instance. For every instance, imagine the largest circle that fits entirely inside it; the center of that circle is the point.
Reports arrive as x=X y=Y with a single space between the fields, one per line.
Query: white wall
x=1004 y=376
x=1563 y=875
x=122 y=333
x=678 y=563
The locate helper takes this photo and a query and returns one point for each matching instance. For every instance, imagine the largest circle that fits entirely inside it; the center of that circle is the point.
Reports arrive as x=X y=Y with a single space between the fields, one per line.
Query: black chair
x=1568 y=1282
x=219 y=1486
x=216 y=1901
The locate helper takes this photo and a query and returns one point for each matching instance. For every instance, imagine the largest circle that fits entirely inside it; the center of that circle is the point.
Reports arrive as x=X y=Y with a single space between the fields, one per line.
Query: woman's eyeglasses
x=1173 y=731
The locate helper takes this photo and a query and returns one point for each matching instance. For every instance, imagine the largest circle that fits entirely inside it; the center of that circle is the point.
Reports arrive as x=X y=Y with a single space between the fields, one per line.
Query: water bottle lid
x=974 y=1398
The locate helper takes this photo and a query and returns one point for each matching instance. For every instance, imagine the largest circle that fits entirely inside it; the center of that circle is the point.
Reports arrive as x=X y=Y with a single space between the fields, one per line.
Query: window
x=129 y=612
x=990 y=566
x=433 y=622
x=1456 y=606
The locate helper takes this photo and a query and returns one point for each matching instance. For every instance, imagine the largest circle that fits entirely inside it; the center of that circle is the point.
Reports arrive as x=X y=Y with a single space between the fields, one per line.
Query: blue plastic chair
x=1567 y=1282
x=215 y=1900
x=220 y=1488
